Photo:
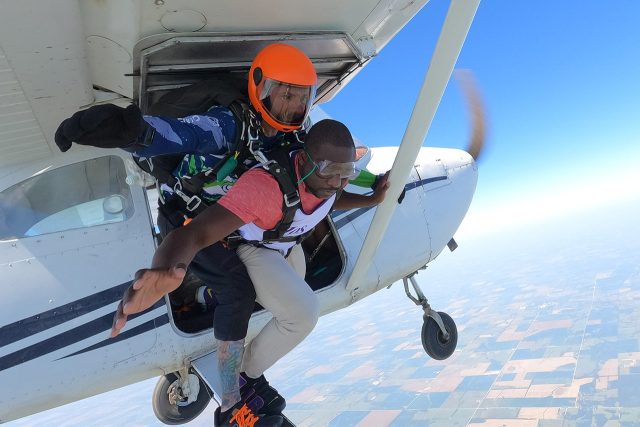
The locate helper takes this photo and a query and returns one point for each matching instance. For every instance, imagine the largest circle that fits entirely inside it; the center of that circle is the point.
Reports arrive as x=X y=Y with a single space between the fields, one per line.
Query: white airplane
x=74 y=227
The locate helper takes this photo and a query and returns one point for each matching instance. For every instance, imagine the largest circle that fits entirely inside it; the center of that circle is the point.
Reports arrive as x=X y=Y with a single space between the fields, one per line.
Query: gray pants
x=281 y=289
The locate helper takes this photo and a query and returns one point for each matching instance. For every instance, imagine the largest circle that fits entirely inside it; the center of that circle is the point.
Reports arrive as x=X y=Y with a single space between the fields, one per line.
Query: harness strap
x=187 y=189
x=234 y=240
x=290 y=200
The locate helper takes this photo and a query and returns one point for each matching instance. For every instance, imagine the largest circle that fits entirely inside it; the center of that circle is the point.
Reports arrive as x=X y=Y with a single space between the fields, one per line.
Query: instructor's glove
x=103 y=126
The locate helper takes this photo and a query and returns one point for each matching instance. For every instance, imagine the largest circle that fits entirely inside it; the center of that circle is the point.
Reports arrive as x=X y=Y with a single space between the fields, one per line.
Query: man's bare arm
x=171 y=259
x=181 y=245
x=349 y=201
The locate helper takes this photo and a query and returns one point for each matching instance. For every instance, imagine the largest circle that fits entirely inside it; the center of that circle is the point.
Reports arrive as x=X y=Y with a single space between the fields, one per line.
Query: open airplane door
x=454 y=32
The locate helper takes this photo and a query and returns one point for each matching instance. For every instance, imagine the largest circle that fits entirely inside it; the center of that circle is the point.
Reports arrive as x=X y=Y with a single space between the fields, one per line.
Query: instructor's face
x=289 y=103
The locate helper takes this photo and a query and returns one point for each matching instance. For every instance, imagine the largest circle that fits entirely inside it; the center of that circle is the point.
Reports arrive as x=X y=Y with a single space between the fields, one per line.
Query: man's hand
x=104 y=126
x=148 y=287
x=382 y=179
x=380 y=188
x=177 y=249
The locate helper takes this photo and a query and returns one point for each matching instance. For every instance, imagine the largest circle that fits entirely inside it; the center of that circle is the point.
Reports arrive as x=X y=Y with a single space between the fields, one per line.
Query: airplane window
x=85 y=194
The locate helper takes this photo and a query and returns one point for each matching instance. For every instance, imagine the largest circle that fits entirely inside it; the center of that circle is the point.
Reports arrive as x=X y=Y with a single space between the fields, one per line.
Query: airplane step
x=207 y=368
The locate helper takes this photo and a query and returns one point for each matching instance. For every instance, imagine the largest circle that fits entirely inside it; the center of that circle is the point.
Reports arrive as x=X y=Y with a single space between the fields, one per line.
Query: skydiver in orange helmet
x=281 y=90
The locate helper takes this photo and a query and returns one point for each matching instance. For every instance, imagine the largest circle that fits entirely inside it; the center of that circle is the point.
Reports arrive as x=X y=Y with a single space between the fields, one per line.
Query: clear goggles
x=287 y=103
x=327 y=169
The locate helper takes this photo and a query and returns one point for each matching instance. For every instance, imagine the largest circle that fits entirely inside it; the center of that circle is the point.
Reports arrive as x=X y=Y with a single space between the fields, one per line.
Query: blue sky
x=560 y=81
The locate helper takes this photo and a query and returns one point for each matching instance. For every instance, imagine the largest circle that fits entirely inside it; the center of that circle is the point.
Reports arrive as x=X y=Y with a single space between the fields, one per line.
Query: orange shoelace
x=244 y=417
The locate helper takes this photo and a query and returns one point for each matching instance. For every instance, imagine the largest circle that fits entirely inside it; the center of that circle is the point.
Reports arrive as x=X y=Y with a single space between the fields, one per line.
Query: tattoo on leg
x=229 y=361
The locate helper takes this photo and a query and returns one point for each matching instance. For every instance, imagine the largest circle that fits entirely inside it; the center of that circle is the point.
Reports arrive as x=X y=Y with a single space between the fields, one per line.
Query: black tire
x=433 y=341
x=177 y=414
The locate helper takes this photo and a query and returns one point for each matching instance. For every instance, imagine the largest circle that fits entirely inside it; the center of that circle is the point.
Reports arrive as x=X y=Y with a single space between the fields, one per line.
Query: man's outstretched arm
x=111 y=126
x=171 y=259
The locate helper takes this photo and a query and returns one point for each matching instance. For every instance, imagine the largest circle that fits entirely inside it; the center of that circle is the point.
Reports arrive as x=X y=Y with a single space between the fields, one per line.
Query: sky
x=560 y=85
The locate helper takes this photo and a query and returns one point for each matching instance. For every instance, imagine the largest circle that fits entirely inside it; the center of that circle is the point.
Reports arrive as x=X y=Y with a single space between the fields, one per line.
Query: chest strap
x=290 y=199
x=189 y=205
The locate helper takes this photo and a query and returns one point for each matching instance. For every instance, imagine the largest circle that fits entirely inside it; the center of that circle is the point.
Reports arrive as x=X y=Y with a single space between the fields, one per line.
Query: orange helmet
x=282 y=86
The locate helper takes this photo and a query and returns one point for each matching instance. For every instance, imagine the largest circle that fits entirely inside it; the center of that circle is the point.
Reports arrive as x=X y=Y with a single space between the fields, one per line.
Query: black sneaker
x=240 y=415
x=260 y=396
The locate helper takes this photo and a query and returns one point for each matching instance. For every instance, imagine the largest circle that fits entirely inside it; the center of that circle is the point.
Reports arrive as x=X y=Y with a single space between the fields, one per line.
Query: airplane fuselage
x=54 y=324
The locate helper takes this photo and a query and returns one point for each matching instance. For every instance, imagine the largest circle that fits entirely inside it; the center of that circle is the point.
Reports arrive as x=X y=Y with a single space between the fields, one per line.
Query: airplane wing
x=452 y=36
x=58 y=57
x=43 y=76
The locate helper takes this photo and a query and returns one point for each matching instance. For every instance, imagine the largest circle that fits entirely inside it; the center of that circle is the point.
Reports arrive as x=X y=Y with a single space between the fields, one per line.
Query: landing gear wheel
x=171 y=407
x=434 y=341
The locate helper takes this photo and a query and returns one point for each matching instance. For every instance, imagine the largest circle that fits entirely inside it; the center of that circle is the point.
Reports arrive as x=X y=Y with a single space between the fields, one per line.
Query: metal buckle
x=261 y=158
x=252 y=133
x=267 y=164
x=297 y=136
x=193 y=203
x=254 y=141
x=293 y=201
x=233 y=240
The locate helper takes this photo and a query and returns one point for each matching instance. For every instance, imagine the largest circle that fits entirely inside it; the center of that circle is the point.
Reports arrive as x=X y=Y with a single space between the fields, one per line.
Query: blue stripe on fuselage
x=46 y=320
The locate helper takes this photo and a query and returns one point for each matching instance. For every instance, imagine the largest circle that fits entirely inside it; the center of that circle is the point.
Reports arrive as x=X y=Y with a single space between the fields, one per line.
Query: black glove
x=377 y=180
x=103 y=126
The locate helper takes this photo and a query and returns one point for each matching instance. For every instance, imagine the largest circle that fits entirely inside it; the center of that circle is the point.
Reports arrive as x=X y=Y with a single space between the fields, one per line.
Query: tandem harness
x=186 y=202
